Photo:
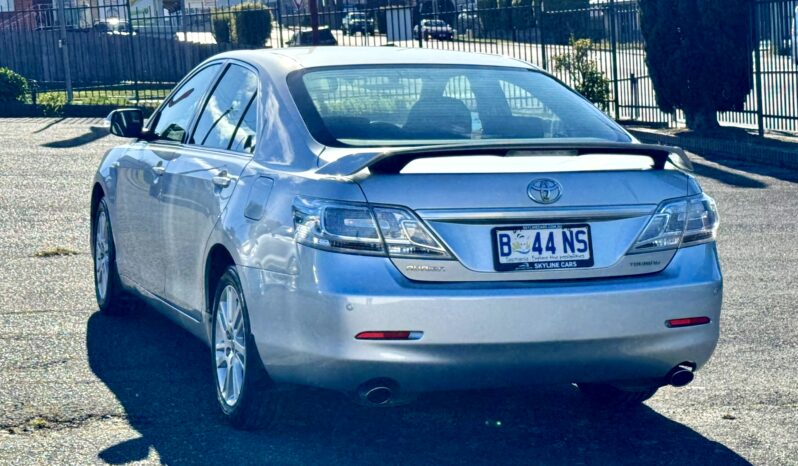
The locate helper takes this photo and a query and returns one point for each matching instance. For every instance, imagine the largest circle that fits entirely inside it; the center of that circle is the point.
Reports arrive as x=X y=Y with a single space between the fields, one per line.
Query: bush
x=52 y=103
x=220 y=27
x=587 y=78
x=13 y=87
x=699 y=55
x=250 y=24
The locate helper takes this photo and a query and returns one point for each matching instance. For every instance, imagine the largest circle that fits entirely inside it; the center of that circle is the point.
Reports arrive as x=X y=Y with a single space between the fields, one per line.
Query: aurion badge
x=544 y=190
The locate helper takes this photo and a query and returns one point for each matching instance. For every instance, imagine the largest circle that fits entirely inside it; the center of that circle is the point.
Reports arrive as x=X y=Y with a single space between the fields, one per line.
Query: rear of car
x=436 y=29
x=509 y=233
x=357 y=22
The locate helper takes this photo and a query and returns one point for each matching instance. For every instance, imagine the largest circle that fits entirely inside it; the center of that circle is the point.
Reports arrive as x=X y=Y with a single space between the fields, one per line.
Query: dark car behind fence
x=139 y=63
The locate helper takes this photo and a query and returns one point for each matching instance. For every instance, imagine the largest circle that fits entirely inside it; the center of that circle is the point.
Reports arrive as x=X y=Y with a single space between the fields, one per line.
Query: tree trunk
x=702 y=120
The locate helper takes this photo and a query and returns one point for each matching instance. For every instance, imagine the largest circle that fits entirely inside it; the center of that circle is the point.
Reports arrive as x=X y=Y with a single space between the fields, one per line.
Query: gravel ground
x=80 y=388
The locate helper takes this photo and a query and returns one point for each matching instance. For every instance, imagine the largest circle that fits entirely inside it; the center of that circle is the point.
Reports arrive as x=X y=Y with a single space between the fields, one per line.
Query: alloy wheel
x=102 y=261
x=230 y=345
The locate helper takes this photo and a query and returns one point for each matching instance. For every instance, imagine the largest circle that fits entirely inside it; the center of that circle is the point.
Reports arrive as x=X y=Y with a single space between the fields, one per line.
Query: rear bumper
x=478 y=335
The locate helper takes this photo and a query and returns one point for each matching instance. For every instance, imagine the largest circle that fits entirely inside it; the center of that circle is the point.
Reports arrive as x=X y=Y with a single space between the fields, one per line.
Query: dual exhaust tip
x=383 y=391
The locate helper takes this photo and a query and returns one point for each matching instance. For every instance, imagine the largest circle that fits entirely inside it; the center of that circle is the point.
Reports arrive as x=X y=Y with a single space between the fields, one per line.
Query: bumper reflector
x=687 y=322
x=389 y=335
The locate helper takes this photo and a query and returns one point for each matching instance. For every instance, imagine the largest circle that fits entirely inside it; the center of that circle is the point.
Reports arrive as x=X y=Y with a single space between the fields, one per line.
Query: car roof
x=290 y=59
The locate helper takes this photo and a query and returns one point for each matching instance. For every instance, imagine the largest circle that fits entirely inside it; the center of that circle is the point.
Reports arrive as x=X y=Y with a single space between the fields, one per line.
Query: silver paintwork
x=481 y=328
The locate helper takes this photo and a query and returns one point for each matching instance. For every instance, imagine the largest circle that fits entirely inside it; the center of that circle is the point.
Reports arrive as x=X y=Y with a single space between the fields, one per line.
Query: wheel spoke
x=220 y=359
x=231 y=308
x=228 y=382
x=239 y=347
x=236 y=381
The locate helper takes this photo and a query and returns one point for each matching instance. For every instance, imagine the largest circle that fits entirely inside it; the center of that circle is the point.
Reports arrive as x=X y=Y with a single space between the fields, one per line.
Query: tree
x=699 y=55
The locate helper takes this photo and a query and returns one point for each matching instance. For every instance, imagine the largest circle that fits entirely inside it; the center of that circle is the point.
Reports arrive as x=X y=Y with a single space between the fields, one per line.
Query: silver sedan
x=387 y=221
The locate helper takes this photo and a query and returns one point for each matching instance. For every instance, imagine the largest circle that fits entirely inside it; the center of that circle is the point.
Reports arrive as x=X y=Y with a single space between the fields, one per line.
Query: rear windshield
x=412 y=105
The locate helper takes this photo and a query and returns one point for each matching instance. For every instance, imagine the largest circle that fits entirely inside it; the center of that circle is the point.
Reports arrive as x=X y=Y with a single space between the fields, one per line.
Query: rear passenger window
x=244 y=137
x=226 y=111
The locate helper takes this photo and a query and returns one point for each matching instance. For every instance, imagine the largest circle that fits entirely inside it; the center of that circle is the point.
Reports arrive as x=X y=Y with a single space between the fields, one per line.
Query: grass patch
x=38 y=423
x=56 y=252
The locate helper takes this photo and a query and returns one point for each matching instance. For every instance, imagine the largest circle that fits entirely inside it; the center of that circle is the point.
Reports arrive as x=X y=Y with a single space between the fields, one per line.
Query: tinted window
x=176 y=114
x=226 y=107
x=419 y=104
x=245 y=137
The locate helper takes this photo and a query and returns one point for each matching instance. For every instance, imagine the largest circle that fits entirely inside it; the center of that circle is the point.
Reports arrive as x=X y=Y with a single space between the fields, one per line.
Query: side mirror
x=126 y=122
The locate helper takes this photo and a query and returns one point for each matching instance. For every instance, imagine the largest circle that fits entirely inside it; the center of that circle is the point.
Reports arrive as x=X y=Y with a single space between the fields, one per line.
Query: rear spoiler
x=392 y=161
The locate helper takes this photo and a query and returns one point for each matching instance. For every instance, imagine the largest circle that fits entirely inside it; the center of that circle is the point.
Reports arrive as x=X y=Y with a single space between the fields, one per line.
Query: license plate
x=542 y=247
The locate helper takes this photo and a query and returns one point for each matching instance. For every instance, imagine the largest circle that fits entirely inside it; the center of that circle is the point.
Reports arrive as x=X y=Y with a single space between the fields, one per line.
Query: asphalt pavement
x=77 y=387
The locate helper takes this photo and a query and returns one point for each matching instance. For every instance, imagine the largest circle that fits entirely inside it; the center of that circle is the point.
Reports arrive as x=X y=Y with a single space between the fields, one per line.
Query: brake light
x=358 y=228
x=679 y=223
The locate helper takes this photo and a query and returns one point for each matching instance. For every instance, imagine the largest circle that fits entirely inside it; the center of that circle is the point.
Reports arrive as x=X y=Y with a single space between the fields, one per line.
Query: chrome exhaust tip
x=378 y=392
x=680 y=375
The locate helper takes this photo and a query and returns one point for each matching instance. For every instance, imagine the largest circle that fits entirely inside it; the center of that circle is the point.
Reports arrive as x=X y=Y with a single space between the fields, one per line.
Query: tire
x=245 y=394
x=613 y=397
x=111 y=298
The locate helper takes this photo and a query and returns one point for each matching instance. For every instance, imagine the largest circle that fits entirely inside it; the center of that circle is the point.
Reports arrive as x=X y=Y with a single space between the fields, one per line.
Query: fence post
x=418 y=25
x=614 y=45
x=760 y=118
x=63 y=45
x=132 y=52
x=539 y=14
x=280 y=23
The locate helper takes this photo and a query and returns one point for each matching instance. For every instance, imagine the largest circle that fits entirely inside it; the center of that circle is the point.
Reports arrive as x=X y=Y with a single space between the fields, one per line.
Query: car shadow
x=727 y=177
x=159 y=374
x=94 y=134
x=738 y=172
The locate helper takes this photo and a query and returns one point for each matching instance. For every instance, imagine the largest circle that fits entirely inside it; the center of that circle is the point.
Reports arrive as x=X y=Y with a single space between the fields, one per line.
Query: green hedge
x=246 y=25
x=220 y=27
x=13 y=87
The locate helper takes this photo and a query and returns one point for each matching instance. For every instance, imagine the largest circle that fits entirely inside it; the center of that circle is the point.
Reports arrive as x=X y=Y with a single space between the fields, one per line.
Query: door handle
x=159 y=169
x=222 y=179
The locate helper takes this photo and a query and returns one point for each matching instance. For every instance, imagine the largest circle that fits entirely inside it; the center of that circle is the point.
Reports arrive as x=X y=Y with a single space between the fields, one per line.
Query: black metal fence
x=122 y=56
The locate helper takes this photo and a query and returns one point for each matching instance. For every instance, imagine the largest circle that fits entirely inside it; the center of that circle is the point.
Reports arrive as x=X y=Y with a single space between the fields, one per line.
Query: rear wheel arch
x=97 y=193
x=217 y=262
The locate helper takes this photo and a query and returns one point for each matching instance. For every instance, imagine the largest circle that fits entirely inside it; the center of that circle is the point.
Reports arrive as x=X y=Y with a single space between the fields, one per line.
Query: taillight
x=358 y=228
x=679 y=223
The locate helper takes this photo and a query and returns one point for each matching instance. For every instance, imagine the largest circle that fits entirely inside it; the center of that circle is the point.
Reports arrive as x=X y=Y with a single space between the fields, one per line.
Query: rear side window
x=224 y=113
x=244 y=137
x=176 y=114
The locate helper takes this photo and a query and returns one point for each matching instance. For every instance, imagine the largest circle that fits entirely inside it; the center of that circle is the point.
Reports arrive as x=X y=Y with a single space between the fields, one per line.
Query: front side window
x=176 y=113
x=394 y=105
x=224 y=112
